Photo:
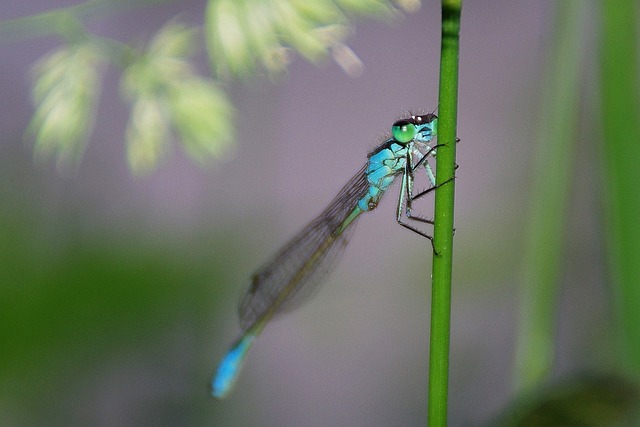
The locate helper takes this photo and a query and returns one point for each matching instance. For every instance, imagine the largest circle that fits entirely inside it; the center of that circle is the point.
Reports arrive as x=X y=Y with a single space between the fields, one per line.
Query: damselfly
x=302 y=262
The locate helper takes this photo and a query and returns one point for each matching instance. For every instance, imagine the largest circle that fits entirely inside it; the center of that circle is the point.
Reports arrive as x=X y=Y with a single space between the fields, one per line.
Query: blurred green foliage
x=587 y=400
x=620 y=120
x=70 y=306
x=544 y=250
x=616 y=126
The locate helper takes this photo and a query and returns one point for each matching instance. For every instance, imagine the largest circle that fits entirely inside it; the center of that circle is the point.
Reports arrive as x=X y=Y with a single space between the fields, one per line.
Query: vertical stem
x=621 y=123
x=552 y=171
x=444 y=204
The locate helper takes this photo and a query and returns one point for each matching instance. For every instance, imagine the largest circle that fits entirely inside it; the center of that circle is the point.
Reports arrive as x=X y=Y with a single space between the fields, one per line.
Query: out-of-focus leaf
x=66 y=89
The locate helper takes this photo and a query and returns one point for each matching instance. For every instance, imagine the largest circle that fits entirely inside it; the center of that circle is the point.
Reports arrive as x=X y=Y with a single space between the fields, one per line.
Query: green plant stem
x=535 y=340
x=621 y=124
x=444 y=204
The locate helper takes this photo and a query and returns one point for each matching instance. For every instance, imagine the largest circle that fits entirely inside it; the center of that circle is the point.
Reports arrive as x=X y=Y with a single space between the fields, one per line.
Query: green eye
x=403 y=131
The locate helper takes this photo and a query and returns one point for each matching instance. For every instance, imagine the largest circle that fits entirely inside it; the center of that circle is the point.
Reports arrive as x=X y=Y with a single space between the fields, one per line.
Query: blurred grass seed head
x=168 y=97
x=245 y=35
x=66 y=89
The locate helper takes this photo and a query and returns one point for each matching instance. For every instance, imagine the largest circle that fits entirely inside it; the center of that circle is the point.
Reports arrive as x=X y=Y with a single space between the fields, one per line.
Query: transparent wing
x=301 y=263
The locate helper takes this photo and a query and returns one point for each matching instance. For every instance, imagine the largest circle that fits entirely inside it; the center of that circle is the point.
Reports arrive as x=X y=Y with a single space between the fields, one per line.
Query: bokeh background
x=118 y=293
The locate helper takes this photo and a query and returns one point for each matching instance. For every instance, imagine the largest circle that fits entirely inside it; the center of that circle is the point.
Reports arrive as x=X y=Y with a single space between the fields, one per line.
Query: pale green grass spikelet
x=203 y=117
x=65 y=93
x=147 y=135
x=168 y=99
x=228 y=45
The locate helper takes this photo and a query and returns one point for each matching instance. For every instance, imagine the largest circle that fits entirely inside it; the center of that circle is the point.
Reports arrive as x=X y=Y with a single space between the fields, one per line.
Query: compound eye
x=403 y=131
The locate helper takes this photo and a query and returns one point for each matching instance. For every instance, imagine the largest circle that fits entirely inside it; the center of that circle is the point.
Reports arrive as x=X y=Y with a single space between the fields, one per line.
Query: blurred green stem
x=621 y=124
x=444 y=208
x=552 y=171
